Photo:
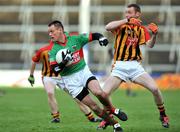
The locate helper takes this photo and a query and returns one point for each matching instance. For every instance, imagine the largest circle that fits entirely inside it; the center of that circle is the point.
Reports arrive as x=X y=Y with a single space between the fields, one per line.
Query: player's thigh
x=146 y=81
x=49 y=85
x=111 y=84
x=95 y=87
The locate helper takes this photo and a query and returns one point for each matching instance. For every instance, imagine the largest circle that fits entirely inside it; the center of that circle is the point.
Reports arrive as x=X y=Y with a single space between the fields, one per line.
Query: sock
x=113 y=110
x=90 y=116
x=55 y=115
x=110 y=110
x=161 y=109
x=109 y=119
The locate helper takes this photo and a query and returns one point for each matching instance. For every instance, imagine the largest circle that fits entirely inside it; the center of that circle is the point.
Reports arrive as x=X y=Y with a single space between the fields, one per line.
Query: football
x=59 y=56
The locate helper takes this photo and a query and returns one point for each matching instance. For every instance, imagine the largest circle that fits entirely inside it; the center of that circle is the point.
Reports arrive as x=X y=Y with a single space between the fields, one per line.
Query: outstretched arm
x=103 y=41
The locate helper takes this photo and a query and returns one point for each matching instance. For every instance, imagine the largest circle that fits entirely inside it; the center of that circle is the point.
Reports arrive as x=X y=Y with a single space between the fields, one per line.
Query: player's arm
x=31 y=76
x=57 y=68
x=103 y=41
x=154 y=29
x=35 y=59
x=85 y=38
x=150 y=43
x=54 y=66
x=115 y=24
x=33 y=67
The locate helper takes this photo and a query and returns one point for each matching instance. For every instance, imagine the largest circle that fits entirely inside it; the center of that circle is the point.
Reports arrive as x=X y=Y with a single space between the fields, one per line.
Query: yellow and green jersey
x=75 y=44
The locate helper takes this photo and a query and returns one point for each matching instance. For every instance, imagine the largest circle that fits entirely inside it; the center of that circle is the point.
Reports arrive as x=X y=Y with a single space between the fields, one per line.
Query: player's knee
x=101 y=94
x=50 y=95
x=155 y=91
x=104 y=95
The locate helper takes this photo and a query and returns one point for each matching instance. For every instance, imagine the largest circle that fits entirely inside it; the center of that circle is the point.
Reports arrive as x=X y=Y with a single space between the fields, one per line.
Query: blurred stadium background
x=23 y=29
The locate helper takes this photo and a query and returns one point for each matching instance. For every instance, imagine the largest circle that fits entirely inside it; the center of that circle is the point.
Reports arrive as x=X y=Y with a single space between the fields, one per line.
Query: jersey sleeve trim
x=90 y=37
x=53 y=62
x=147 y=35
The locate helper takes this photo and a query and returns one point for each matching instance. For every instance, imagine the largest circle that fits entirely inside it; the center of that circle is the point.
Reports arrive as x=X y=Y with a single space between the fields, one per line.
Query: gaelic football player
x=129 y=35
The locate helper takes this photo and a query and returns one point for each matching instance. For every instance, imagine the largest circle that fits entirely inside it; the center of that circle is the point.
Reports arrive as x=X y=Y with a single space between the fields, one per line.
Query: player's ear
x=61 y=29
x=138 y=14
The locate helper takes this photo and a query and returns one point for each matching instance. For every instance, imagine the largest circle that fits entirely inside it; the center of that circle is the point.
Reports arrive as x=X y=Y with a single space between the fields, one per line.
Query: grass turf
x=27 y=110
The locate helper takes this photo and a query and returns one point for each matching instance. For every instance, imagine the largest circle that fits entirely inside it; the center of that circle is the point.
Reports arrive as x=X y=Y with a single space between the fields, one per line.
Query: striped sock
x=90 y=116
x=55 y=115
x=161 y=109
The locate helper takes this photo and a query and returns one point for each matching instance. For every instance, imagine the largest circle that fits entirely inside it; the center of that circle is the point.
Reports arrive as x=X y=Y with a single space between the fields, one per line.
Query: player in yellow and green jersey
x=76 y=78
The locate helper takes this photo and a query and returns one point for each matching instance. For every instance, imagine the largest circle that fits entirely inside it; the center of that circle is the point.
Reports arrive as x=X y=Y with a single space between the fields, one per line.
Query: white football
x=59 y=56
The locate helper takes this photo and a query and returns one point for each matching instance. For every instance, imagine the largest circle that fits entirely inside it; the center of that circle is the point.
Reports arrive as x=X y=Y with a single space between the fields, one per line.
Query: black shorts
x=85 y=91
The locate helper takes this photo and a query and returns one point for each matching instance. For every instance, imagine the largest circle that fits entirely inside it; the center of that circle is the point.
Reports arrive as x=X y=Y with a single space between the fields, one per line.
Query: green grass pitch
x=27 y=110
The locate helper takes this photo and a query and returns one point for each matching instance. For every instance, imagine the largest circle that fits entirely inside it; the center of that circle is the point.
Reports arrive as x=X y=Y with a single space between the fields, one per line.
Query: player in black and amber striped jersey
x=129 y=36
x=41 y=56
x=128 y=40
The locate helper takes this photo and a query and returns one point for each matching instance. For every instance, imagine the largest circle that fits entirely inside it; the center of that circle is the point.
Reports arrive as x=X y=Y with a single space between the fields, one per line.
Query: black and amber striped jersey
x=43 y=57
x=128 y=39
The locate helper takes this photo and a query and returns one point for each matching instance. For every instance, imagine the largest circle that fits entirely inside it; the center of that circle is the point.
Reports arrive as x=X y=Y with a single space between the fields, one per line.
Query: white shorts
x=50 y=83
x=127 y=70
x=74 y=84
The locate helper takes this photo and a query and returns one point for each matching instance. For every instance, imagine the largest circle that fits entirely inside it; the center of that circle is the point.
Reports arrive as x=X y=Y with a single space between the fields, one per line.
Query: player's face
x=130 y=12
x=55 y=33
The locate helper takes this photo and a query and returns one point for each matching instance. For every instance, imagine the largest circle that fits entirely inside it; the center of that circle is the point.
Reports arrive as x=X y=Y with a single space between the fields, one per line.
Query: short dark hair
x=56 y=23
x=136 y=7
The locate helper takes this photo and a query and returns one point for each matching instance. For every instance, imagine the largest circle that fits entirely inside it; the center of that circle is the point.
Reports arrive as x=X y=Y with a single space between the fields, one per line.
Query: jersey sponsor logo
x=76 y=57
x=131 y=41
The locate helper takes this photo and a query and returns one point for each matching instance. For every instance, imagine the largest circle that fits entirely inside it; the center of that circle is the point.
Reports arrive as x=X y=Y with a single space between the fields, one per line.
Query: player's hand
x=153 y=27
x=56 y=68
x=68 y=56
x=103 y=41
x=31 y=80
x=134 y=21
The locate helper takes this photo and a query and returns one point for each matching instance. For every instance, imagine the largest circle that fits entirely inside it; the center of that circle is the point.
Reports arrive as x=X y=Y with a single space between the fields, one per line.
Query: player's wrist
x=96 y=36
x=154 y=34
x=64 y=62
x=31 y=75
